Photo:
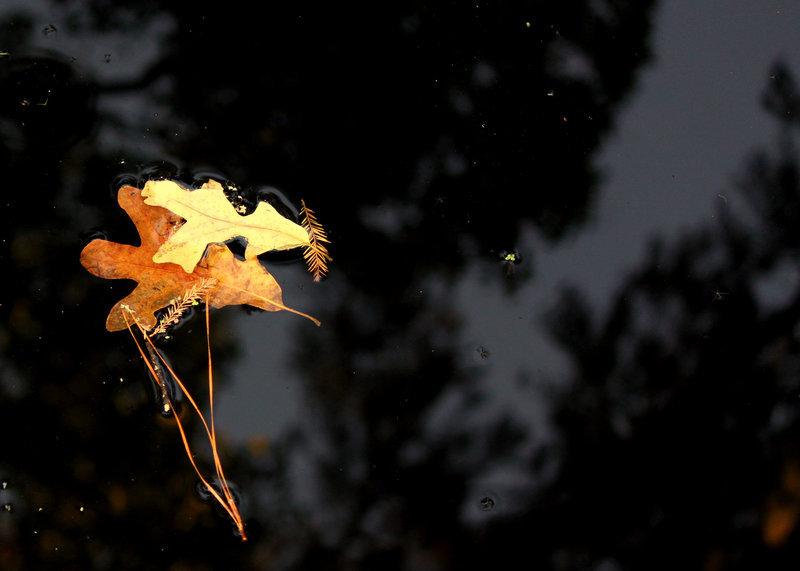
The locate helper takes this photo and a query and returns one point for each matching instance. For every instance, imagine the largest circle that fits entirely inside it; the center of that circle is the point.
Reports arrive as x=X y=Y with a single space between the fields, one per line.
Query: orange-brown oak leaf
x=226 y=280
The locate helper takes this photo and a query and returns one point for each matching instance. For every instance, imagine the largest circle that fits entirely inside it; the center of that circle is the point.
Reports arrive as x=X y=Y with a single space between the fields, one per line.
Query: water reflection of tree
x=679 y=436
x=681 y=431
x=385 y=489
x=471 y=111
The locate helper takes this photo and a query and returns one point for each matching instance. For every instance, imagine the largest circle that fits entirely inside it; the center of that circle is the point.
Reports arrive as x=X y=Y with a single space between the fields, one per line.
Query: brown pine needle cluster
x=221 y=493
x=180 y=305
x=316 y=254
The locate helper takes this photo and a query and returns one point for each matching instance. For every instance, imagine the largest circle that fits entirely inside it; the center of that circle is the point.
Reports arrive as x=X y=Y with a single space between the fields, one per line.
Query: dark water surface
x=627 y=396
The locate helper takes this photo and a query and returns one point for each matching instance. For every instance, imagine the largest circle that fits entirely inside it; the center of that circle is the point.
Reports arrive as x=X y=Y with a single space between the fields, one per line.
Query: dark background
x=626 y=397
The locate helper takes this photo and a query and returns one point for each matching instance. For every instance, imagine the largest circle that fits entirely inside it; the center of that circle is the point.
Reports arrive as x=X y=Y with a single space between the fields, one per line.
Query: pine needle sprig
x=190 y=298
x=315 y=254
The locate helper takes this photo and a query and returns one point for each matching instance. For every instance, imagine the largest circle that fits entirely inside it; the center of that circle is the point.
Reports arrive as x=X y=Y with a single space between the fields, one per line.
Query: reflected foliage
x=431 y=136
x=683 y=417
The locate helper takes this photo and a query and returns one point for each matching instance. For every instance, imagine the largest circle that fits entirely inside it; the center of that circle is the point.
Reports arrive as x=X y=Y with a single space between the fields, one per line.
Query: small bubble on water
x=158 y=170
x=94 y=235
x=123 y=179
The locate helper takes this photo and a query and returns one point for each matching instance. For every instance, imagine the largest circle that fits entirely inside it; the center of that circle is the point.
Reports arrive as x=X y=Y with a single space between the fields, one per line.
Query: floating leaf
x=180 y=261
x=210 y=218
x=161 y=284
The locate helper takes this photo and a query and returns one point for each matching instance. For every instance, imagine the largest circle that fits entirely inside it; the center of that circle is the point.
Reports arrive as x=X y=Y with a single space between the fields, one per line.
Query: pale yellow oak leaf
x=211 y=218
